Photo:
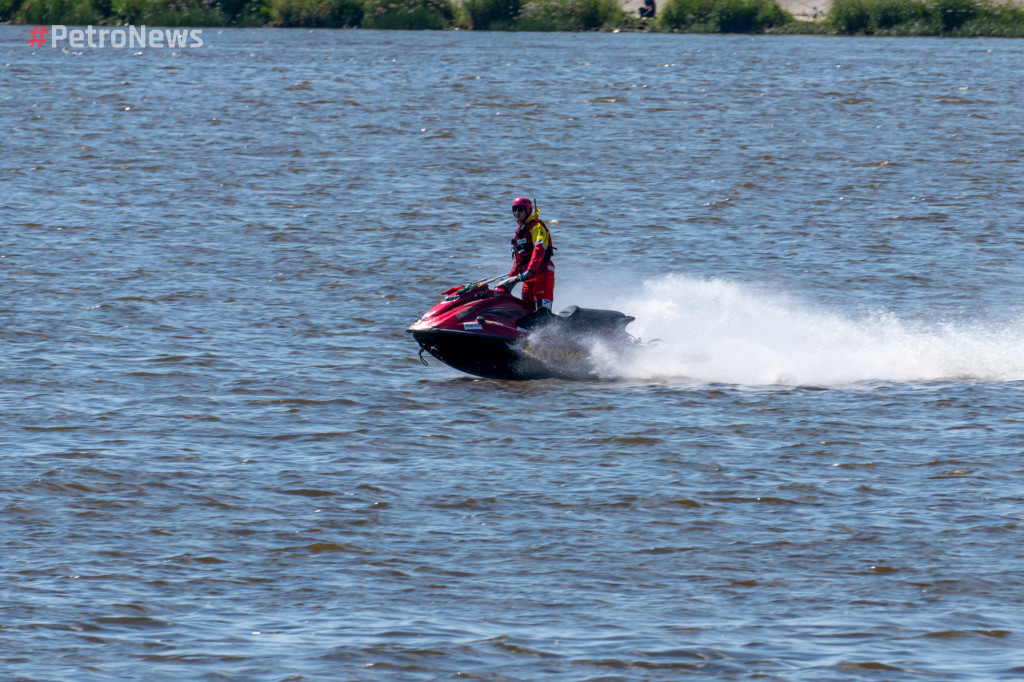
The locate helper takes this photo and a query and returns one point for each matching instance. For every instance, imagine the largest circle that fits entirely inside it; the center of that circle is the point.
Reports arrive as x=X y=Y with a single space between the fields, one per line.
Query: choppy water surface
x=223 y=460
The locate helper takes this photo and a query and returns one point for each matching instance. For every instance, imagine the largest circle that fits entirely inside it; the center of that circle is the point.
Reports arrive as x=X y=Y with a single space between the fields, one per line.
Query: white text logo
x=128 y=36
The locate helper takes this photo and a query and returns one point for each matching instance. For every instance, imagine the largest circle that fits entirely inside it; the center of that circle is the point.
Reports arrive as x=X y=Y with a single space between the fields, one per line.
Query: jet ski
x=490 y=333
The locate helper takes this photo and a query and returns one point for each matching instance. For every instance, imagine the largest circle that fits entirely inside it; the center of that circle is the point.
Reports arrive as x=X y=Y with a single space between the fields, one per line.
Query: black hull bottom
x=497 y=358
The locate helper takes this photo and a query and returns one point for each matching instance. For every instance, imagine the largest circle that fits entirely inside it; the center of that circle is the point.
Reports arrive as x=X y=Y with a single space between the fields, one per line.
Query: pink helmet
x=523 y=201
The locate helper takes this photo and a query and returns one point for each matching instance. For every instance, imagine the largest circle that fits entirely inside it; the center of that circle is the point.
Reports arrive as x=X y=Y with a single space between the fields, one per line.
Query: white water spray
x=718 y=331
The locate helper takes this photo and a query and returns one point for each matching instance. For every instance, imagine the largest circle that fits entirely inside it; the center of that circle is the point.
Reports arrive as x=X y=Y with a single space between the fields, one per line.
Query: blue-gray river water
x=223 y=460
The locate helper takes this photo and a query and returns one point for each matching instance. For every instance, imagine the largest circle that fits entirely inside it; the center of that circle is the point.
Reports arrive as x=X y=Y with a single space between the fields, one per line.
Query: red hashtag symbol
x=38 y=38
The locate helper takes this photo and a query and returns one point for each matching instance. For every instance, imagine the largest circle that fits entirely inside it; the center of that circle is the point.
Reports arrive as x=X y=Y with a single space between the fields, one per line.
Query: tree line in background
x=851 y=17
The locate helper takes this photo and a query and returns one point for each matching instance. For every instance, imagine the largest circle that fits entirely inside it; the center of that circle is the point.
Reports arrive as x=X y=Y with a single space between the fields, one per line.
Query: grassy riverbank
x=964 y=18
x=970 y=18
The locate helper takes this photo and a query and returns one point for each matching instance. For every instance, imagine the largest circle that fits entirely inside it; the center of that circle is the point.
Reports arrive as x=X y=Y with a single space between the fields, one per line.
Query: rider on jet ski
x=531 y=251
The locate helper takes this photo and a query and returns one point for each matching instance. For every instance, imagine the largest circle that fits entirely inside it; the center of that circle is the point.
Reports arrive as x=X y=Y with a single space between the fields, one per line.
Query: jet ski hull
x=488 y=333
x=499 y=358
x=491 y=357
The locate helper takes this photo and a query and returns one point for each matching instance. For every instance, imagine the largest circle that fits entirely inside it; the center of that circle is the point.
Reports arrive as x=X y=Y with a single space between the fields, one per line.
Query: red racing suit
x=531 y=250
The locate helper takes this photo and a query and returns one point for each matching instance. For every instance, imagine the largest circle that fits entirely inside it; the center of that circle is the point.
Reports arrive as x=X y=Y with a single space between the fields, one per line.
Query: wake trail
x=720 y=331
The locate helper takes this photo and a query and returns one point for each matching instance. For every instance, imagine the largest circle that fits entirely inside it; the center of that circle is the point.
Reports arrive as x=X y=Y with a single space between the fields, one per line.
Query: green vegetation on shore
x=722 y=16
x=967 y=18
x=964 y=18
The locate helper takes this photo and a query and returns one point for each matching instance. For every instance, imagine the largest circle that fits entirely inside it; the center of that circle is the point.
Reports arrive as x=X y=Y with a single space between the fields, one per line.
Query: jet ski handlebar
x=457 y=291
